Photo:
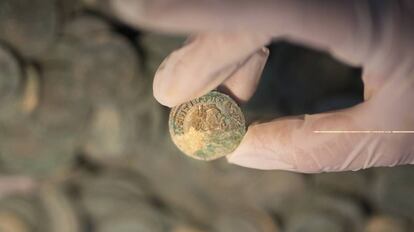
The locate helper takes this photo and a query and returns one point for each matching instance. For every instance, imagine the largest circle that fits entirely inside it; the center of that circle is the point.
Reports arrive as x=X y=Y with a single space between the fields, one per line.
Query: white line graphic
x=361 y=132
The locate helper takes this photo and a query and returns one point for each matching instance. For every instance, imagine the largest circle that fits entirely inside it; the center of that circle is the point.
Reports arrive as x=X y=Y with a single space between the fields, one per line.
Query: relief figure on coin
x=207 y=118
x=210 y=118
x=236 y=117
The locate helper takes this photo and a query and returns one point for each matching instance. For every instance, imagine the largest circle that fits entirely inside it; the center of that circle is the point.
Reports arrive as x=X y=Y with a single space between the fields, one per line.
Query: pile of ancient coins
x=84 y=147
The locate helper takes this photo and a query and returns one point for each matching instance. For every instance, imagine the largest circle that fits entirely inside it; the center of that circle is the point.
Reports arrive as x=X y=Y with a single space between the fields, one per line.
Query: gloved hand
x=228 y=49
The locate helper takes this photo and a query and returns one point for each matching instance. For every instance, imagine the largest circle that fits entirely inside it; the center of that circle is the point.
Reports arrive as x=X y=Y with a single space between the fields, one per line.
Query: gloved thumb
x=371 y=134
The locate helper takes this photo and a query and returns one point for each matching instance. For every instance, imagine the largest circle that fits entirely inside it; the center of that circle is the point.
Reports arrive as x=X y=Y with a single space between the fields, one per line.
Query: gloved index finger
x=337 y=25
x=207 y=61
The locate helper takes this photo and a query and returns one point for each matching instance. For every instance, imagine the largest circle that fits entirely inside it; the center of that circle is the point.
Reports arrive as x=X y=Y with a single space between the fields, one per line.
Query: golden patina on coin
x=208 y=127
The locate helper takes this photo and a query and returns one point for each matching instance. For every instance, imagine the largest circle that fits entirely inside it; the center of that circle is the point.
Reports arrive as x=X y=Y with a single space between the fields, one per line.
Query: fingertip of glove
x=131 y=11
x=257 y=161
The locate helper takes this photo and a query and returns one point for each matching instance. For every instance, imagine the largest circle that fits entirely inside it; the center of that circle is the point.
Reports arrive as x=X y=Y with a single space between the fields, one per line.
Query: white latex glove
x=228 y=49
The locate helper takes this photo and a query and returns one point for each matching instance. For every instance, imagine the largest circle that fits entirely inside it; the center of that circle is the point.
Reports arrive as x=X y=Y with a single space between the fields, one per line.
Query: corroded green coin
x=208 y=127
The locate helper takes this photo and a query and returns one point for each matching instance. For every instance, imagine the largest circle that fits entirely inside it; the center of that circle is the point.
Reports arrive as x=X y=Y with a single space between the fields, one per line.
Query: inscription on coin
x=208 y=127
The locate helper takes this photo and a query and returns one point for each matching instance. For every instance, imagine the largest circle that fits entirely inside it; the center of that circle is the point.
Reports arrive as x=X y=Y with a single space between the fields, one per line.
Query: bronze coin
x=208 y=127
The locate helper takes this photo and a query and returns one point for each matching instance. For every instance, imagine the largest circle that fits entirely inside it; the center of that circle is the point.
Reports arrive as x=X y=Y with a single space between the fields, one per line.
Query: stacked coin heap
x=84 y=147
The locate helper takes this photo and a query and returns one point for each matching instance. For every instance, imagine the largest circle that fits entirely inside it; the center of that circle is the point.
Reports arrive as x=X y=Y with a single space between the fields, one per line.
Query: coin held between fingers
x=208 y=127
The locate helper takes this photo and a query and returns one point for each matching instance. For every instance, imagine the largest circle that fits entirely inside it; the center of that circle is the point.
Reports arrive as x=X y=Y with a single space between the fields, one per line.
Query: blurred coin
x=104 y=61
x=31 y=90
x=24 y=149
x=186 y=228
x=110 y=70
x=30 y=26
x=10 y=75
x=12 y=223
x=318 y=211
x=393 y=191
x=19 y=88
x=384 y=223
x=92 y=87
x=15 y=185
x=186 y=195
x=351 y=183
x=63 y=107
x=315 y=222
x=208 y=127
x=22 y=214
x=69 y=8
x=47 y=211
x=106 y=138
x=90 y=65
x=101 y=6
x=270 y=189
x=244 y=219
x=115 y=201
x=132 y=220
x=115 y=133
x=60 y=212
x=84 y=27
x=109 y=193
x=10 y=83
